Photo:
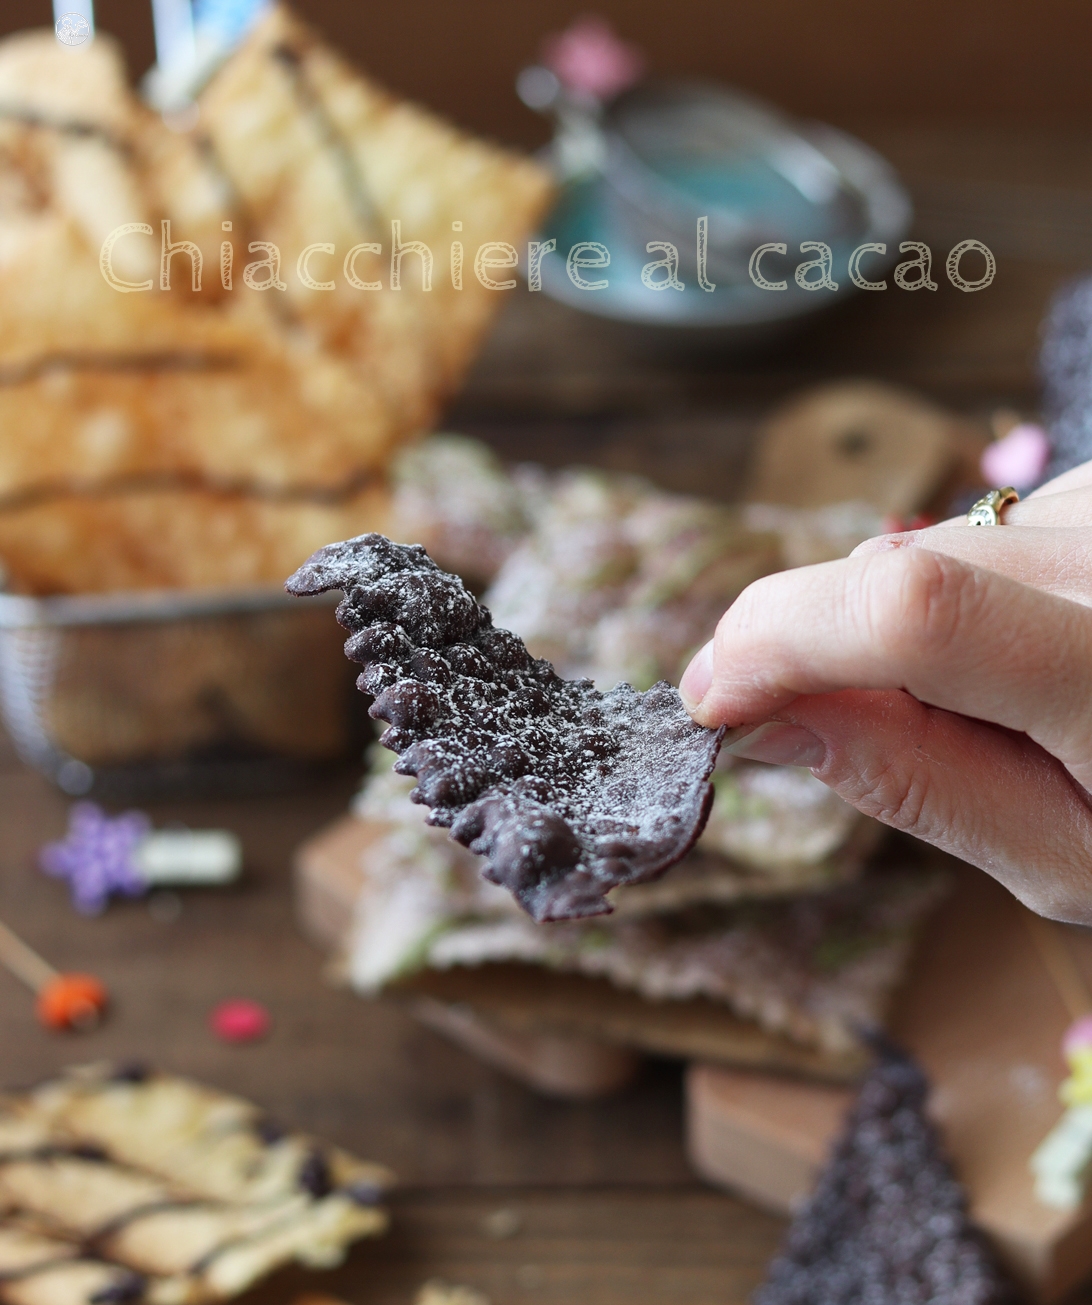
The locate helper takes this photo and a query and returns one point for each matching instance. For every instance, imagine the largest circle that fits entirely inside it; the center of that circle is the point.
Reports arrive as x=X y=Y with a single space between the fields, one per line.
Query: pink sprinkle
x=589 y=57
x=1078 y=1036
x=240 y=1020
x=1018 y=459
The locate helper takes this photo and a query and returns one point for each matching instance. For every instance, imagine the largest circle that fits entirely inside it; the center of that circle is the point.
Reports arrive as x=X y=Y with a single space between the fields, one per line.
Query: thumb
x=986 y=794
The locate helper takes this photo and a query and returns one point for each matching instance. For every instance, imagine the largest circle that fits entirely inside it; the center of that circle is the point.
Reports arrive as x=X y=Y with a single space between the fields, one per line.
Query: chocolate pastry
x=1065 y=364
x=887 y=1221
x=568 y=792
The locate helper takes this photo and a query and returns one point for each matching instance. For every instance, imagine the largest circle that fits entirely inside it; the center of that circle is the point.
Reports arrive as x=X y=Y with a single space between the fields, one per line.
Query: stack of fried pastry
x=120 y=1185
x=777 y=913
x=211 y=437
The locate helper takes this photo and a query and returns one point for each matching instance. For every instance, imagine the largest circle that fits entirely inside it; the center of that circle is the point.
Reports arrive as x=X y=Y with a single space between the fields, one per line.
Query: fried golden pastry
x=172 y=538
x=80 y=157
x=216 y=424
x=118 y=1185
x=296 y=387
x=318 y=153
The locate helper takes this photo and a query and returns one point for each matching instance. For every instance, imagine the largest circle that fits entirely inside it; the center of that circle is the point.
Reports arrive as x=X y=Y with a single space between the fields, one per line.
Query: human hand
x=939 y=680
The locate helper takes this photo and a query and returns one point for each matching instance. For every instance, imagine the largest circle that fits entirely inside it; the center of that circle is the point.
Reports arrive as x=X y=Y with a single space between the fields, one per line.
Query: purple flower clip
x=96 y=856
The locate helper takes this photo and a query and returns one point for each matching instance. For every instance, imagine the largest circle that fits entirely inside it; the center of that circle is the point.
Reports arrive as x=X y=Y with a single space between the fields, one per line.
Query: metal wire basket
x=168 y=692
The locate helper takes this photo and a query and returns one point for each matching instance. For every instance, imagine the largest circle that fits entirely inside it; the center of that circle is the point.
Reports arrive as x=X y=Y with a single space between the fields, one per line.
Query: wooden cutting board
x=985 y=1019
x=980 y=1011
x=864 y=441
x=562 y=1033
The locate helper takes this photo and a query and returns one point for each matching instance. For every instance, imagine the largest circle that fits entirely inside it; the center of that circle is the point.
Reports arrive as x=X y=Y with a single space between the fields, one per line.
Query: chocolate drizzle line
x=566 y=791
x=40 y=1266
x=131 y=1287
x=77 y=127
x=352 y=180
x=96 y=1240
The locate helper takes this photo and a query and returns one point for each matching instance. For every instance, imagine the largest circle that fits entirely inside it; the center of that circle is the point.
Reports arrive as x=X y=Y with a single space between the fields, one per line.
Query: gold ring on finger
x=987 y=511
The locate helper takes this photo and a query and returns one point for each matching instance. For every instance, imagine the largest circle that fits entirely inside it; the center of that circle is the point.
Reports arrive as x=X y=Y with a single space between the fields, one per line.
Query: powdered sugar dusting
x=566 y=791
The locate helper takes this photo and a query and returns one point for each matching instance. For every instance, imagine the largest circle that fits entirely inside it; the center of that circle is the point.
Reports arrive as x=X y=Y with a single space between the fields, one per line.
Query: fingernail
x=780 y=745
x=697 y=677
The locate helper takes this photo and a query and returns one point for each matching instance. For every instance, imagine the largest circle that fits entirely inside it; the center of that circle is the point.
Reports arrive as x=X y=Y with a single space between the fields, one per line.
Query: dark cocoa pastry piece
x=888 y=1220
x=127 y=1288
x=131 y=1072
x=314 y=1176
x=269 y=1130
x=1065 y=364
x=566 y=791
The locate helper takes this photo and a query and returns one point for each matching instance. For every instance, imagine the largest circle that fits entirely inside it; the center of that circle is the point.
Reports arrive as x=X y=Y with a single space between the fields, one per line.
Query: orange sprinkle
x=71 y=1001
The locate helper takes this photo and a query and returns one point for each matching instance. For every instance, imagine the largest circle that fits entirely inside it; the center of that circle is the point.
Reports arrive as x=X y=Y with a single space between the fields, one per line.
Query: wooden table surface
x=608 y=1210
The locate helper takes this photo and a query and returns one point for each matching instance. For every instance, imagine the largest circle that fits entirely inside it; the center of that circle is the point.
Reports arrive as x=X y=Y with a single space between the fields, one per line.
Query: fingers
x=1078 y=478
x=1065 y=501
x=1063 y=506
x=1057 y=559
x=1045 y=540
x=994 y=798
x=954 y=636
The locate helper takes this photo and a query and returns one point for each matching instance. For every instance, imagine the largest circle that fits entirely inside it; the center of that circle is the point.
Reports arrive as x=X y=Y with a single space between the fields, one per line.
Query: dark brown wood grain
x=359 y=1072
x=610 y=1207
x=979 y=60
x=592 y=1246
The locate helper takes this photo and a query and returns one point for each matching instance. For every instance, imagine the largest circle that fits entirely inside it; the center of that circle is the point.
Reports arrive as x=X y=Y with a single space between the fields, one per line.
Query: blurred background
x=1004 y=65
x=627 y=1115
x=982 y=110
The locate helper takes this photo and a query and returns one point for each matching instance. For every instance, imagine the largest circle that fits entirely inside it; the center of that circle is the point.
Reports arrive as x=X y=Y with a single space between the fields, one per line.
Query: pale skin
x=939 y=680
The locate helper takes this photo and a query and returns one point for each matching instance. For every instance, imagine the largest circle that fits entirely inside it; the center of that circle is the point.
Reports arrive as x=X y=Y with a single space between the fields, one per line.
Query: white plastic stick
x=174 y=44
x=188 y=856
x=85 y=8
